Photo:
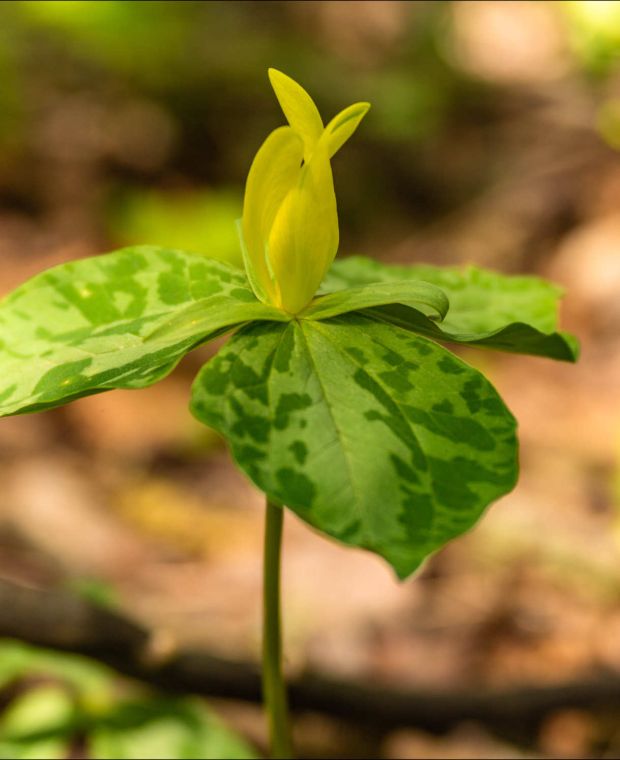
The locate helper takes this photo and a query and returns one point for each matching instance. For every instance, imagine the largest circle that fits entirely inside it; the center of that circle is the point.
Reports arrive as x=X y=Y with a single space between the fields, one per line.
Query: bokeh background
x=493 y=139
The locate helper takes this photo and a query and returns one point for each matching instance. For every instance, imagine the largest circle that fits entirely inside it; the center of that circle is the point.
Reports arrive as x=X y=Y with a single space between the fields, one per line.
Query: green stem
x=274 y=689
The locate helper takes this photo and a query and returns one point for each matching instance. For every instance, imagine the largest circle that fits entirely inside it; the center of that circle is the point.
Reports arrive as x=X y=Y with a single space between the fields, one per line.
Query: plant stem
x=274 y=689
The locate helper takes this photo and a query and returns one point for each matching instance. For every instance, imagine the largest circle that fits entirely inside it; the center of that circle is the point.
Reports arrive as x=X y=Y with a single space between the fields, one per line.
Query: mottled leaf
x=379 y=438
x=510 y=313
x=122 y=320
x=428 y=299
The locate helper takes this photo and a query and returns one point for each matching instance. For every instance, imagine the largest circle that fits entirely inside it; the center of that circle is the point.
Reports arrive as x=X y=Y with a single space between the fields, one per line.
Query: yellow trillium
x=290 y=222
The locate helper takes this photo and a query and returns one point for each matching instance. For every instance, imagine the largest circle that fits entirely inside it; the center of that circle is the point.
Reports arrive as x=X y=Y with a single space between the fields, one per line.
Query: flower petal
x=299 y=109
x=342 y=126
x=304 y=238
x=274 y=172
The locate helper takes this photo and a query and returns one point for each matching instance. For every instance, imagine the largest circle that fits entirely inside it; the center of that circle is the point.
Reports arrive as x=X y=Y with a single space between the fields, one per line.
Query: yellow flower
x=290 y=222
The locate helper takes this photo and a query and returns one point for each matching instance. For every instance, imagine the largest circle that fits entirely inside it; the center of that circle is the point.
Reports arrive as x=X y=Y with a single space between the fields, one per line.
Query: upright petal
x=274 y=172
x=342 y=126
x=299 y=109
x=304 y=238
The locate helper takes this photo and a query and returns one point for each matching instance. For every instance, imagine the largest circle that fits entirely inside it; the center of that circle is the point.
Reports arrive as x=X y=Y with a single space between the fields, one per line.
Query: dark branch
x=59 y=620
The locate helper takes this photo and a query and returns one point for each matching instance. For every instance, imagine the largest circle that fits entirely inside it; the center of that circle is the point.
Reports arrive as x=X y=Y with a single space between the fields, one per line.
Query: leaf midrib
x=346 y=453
x=325 y=334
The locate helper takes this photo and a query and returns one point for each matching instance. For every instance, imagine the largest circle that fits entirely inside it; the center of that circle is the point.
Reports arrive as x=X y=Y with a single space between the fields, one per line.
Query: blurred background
x=493 y=139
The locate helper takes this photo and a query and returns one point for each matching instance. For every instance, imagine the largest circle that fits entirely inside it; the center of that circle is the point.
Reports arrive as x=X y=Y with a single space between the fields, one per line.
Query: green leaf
x=78 y=698
x=165 y=728
x=412 y=293
x=518 y=337
x=479 y=299
x=122 y=320
x=19 y=660
x=378 y=438
x=511 y=313
x=38 y=710
x=52 y=748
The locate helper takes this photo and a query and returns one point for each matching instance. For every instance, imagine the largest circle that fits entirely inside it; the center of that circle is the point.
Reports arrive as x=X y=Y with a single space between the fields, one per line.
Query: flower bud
x=290 y=221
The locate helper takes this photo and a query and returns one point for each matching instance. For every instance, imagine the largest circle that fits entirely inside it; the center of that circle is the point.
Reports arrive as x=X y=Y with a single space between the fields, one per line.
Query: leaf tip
x=574 y=347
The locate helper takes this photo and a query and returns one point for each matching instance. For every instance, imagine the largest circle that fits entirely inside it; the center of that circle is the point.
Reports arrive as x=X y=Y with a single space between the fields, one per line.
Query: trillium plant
x=335 y=393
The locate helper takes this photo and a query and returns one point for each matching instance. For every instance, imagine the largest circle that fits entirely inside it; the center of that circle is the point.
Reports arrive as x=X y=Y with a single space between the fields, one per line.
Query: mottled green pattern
x=428 y=299
x=373 y=434
x=378 y=438
x=122 y=320
x=510 y=313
